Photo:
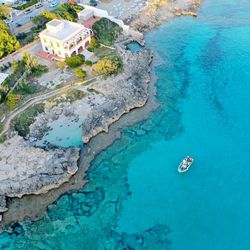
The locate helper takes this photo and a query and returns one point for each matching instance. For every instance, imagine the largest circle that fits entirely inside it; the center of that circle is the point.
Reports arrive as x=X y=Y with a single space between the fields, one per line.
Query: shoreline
x=35 y=205
x=32 y=207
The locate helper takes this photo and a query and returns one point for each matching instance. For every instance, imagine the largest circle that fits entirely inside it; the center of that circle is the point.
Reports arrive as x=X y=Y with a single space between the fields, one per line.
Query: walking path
x=35 y=100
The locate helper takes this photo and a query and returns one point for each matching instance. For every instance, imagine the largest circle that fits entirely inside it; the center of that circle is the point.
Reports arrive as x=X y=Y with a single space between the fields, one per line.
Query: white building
x=90 y=11
x=64 y=38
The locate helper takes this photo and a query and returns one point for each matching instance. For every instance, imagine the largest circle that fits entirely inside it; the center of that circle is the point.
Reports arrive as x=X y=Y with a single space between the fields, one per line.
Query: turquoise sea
x=136 y=199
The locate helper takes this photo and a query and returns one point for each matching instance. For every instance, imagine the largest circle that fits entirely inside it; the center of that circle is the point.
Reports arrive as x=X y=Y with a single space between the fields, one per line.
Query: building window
x=58 y=45
x=59 y=52
x=44 y=40
x=46 y=49
x=51 y=44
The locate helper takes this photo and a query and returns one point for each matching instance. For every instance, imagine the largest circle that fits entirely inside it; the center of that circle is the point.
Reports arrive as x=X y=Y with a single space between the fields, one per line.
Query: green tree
x=8 y=43
x=29 y=61
x=4 y=11
x=106 y=31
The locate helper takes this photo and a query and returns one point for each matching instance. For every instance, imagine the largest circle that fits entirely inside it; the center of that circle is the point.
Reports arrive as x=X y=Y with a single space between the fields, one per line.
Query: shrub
x=108 y=66
x=24 y=120
x=12 y=100
x=106 y=31
x=21 y=35
x=94 y=43
x=75 y=61
x=39 y=70
x=60 y=64
x=15 y=66
x=80 y=73
x=88 y=63
x=90 y=49
x=2 y=96
x=25 y=89
x=26 y=5
x=2 y=138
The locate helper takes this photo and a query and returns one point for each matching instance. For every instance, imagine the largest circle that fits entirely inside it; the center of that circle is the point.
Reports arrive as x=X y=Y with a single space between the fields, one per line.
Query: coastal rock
x=123 y=93
x=29 y=170
x=156 y=12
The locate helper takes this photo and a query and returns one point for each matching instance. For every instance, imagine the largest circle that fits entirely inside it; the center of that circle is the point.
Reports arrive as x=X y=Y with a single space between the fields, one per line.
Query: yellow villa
x=64 y=38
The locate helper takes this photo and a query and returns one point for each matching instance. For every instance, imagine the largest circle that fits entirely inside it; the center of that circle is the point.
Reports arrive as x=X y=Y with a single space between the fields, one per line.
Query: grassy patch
x=68 y=96
x=103 y=51
x=23 y=121
x=2 y=138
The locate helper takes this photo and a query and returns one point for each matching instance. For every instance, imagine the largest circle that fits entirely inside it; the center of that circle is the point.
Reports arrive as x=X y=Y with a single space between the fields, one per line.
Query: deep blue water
x=136 y=199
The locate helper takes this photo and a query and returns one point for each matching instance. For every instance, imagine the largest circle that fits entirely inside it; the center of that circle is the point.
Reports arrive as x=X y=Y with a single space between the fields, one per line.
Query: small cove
x=203 y=93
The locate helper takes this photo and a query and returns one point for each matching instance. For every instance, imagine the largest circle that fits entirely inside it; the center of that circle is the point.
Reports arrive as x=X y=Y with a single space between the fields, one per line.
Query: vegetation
x=4 y=11
x=2 y=96
x=108 y=65
x=68 y=96
x=94 y=43
x=12 y=100
x=106 y=31
x=25 y=89
x=32 y=65
x=65 y=11
x=80 y=73
x=27 y=4
x=75 y=61
x=88 y=63
x=39 y=70
x=23 y=121
x=19 y=82
x=74 y=95
x=2 y=138
x=8 y=43
x=68 y=12
x=60 y=64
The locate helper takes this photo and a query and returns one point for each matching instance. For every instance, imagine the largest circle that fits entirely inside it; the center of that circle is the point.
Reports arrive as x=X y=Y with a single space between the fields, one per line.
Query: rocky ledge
x=29 y=170
x=156 y=12
x=123 y=93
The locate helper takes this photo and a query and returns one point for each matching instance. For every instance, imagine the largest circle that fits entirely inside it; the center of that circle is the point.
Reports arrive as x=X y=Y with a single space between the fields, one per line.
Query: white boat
x=185 y=164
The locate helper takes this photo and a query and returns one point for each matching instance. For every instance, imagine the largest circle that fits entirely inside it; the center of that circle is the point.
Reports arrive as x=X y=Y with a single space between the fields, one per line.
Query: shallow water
x=136 y=198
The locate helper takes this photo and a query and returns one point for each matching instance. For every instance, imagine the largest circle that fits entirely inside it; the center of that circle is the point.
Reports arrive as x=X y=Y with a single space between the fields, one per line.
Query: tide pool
x=136 y=199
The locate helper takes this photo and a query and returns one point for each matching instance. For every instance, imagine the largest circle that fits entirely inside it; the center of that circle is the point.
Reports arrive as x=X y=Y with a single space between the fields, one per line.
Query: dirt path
x=36 y=100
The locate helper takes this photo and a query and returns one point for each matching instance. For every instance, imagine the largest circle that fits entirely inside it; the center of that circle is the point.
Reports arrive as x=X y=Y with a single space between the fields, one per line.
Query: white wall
x=104 y=13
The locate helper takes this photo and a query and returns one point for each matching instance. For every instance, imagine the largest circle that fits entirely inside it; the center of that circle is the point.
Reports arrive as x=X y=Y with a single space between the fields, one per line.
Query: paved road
x=36 y=100
x=20 y=17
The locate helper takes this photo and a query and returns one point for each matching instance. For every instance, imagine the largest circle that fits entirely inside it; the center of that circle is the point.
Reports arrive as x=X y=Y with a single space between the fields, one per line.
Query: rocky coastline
x=157 y=12
x=123 y=93
x=29 y=170
x=55 y=166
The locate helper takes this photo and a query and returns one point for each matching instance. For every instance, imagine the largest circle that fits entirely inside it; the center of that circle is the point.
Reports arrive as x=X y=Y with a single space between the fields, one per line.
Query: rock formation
x=123 y=93
x=29 y=170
